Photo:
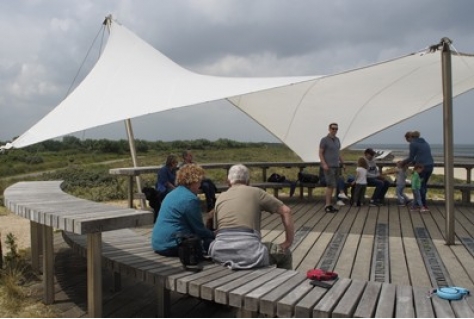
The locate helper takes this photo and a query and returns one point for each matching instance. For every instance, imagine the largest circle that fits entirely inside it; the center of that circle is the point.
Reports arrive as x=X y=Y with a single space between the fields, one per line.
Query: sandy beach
x=18 y=226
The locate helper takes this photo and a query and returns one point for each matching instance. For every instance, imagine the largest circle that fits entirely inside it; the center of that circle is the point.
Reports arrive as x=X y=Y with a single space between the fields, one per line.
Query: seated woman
x=180 y=213
x=165 y=181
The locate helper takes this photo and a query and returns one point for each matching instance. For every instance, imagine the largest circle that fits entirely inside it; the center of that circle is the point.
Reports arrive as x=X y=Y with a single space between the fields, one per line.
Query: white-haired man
x=237 y=217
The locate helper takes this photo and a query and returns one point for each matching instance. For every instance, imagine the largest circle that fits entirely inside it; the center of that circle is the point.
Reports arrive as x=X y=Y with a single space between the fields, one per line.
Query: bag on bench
x=308 y=178
x=189 y=251
x=276 y=178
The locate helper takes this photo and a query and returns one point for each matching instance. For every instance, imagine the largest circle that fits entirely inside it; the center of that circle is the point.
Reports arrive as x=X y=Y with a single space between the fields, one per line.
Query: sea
x=460 y=151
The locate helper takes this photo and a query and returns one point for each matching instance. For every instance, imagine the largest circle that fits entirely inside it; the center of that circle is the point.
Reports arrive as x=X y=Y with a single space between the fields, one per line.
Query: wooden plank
x=368 y=303
x=462 y=309
x=304 y=307
x=221 y=293
x=361 y=266
x=404 y=304
x=268 y=303
x=413 y=257
x=386 y=301
x=423 y=306
x=348 y=303
x=286 y=305
x=207 y=289
x=236 y=296
x=325 y=306
x=252 y=298
x=349 y=251
x=459 y=271
x=194 y=288
x=398 y=266
x=442 y=308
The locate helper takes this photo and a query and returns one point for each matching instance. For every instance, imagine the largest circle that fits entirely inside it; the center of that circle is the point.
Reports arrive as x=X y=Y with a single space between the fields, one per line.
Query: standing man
x=331 y=162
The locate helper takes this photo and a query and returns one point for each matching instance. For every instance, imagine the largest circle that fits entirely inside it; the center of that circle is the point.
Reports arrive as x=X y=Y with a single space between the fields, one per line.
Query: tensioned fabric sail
x=132 y=79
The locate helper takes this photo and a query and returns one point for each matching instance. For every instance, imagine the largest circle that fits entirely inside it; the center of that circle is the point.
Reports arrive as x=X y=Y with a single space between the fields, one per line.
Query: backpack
x=308 y=178
x=276 y=178
x=189 y=251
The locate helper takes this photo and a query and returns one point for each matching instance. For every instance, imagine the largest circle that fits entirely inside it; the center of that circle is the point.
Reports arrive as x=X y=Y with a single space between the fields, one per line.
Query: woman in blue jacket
x=420 y=153
x=180 y=213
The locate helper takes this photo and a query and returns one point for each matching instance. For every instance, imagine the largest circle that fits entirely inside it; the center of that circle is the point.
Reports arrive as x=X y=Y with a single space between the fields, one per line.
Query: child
x=415 y=187
x=360 y=182
x=401 y=175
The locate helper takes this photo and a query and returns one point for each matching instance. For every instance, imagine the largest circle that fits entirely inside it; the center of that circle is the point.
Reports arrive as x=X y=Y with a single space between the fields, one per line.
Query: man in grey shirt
x=331 y=162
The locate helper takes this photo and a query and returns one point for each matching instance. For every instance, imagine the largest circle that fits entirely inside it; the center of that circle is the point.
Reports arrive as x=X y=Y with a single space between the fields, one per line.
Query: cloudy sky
x=44 y=45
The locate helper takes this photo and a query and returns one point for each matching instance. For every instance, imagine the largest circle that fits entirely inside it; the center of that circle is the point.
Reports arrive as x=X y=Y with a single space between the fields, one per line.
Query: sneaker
x=342 y=196
x=414 y=208
x=340 y=203
x=373 y=203
x=330 y=209
x=424 y=209
x=402 y=204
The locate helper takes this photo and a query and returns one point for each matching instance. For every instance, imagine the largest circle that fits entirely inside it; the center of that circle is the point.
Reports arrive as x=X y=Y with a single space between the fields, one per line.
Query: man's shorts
x=331 y=176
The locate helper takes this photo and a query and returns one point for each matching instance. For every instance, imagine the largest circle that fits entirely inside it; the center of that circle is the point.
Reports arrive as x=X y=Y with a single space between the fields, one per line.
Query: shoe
x=342 y=196
x=424 y=209
x=409 y=202
x=373 y=203
x=330 y=209
x=402 y=204
x=340 y=203
x=414 y=208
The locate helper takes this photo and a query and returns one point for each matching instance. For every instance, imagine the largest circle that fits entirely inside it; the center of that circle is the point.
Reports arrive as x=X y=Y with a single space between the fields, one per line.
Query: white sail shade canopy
x=132 y=79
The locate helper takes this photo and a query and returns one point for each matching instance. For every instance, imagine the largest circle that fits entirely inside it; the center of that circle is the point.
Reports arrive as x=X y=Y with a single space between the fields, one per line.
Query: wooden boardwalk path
x=387 y=244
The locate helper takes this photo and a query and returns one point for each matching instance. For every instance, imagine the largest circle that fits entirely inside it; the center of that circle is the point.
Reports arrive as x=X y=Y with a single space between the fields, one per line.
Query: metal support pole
x=133 y=152
x=448 y=139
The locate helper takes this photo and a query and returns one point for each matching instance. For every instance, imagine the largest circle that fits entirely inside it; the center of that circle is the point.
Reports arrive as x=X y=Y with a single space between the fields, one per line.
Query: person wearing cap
x=374 y=178
x=331 y=163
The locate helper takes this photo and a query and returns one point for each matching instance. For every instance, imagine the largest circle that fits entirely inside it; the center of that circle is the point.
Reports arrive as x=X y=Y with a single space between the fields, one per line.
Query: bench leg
x=48 y=264
x=117 y=282
x=242 y=313
x=94 y=275
x=466 y=196
x=36 y=245
x=163 y=300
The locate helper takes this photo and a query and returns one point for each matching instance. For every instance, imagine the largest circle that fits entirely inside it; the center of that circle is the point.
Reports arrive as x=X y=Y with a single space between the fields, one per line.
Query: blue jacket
x=180 y=212
x=165 y=174
x=420 y=152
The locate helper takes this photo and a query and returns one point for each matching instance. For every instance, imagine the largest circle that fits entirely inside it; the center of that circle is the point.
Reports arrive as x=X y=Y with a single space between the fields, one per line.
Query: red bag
x=320 y=274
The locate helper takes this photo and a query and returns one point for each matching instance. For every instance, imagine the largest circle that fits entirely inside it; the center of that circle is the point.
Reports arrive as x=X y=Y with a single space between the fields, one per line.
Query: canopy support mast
x=131 y=140
x=448 y=139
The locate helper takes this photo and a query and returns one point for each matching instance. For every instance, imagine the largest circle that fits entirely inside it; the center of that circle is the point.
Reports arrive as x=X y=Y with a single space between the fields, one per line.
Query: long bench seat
x=269 y=291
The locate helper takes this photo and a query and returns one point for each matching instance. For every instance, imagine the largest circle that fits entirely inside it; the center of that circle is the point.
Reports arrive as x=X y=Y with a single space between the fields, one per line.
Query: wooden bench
x=89 y=229
x=48 y=208
x=268 y=291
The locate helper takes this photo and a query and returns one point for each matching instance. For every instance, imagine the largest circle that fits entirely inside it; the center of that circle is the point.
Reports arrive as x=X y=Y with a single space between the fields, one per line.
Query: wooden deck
x=387 y=244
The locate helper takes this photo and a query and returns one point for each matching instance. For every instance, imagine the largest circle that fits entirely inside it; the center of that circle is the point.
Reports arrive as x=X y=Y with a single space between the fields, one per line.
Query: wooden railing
x=132 y=172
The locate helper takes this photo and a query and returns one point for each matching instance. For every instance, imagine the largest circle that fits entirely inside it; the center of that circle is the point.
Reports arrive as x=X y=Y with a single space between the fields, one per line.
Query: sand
x=19 y=227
